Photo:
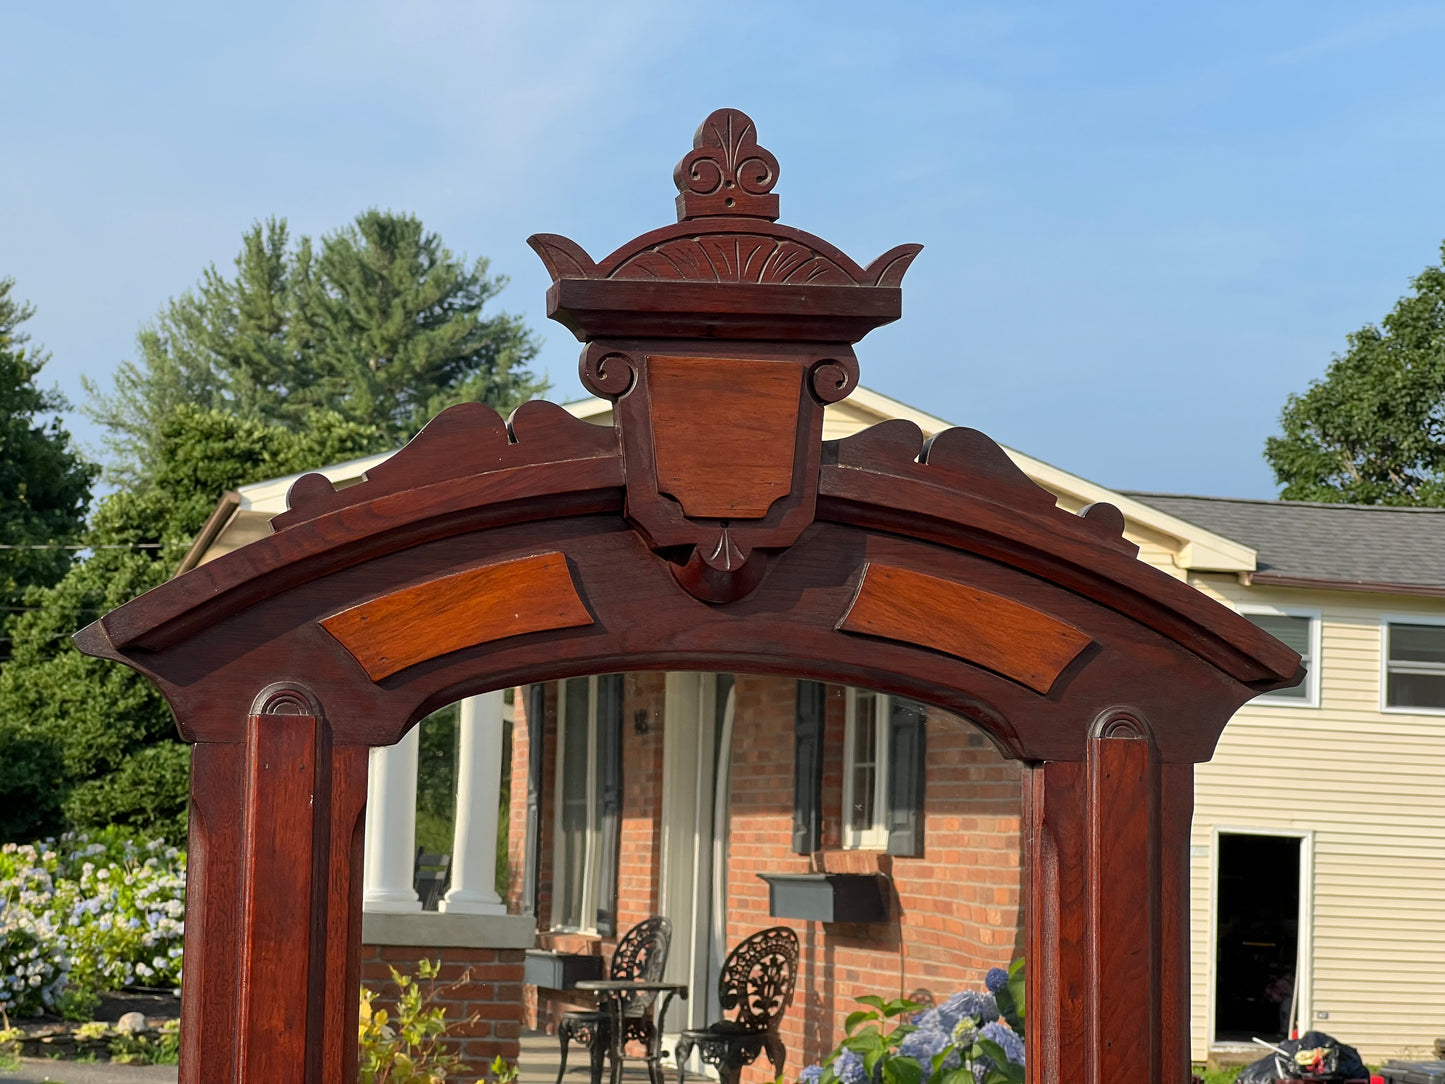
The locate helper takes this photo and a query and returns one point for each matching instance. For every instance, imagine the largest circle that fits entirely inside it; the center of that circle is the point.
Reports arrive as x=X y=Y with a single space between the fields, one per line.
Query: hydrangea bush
x=85 y=914
x=971 y=1038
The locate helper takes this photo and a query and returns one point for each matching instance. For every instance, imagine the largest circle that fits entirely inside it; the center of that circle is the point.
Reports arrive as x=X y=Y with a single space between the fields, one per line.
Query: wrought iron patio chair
x=757 y=979
x=640 y=957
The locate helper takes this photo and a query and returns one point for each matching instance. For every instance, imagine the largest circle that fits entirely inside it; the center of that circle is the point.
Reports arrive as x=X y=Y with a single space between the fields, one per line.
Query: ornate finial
x=727 y=173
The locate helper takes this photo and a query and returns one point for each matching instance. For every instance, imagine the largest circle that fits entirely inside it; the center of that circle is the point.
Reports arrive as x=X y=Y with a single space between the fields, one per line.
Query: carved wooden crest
x=719 y=340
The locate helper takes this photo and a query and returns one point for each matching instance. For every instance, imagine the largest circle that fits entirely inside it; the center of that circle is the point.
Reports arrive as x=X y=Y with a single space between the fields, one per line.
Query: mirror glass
x=716 y=838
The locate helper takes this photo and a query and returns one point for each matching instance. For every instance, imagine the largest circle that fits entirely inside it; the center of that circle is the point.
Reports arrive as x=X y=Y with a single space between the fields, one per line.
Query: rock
x=132 y=1023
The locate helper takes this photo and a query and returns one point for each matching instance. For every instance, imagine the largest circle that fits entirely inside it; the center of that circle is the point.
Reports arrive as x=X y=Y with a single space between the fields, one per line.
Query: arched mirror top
x=709 y=526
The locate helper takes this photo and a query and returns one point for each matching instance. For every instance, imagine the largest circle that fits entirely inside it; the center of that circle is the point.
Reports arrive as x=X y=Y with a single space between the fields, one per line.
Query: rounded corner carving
x=286 y=698
x=608 y=373
x=833 y=379
x=1125 y=724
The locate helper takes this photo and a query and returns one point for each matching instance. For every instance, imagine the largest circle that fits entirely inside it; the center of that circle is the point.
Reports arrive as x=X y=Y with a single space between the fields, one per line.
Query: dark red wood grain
x=281 y=766
x=723 y=435
x=977 y=626
x=486 y=554
x=1123 y=913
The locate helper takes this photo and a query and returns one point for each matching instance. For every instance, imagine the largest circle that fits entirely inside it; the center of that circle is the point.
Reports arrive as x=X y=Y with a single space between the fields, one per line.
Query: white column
x=479 y=782
x=391 y=827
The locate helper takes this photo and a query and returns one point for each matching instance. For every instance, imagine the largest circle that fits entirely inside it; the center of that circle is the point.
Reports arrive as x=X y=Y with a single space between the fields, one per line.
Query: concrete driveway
x=40 y=1070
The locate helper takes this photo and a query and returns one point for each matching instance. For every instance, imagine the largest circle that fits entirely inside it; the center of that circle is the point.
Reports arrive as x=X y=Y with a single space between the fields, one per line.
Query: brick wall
x=480 y=988
x=956 y=911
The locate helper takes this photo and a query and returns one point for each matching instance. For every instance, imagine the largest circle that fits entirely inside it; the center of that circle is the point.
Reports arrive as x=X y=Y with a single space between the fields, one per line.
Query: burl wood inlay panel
x=976 y=626
x=530 y=594
x=723 y=433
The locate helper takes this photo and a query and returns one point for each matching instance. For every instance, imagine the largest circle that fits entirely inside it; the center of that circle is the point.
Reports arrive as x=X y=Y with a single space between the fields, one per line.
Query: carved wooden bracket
x=720 y=340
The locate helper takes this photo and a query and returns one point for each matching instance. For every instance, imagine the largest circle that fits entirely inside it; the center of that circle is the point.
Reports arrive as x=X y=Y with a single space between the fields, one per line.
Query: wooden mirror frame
x=710 y=527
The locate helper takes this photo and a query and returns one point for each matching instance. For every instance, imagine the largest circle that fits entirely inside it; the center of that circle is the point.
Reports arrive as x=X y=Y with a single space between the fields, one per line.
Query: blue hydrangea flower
x=848 y=1067
x=1007 y=1038
x=996 y=979
x=970 y=1003
x=811 y=1074
x=926 y=1043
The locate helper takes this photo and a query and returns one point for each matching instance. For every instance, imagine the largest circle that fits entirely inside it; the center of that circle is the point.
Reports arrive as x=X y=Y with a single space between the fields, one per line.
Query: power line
x=80 y=546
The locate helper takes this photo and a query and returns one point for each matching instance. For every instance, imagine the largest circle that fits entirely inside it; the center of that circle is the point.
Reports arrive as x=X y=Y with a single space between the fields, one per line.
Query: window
x=1414 y=654
x=1300 y=630
x=865 y=770
x=588 y=803
x=883 y=773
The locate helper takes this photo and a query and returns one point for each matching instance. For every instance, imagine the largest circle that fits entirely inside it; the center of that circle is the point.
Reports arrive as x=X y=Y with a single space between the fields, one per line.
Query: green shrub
x=408 y=1046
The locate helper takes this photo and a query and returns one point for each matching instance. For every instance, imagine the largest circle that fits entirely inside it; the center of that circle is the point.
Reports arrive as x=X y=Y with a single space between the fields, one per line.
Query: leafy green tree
x=380 y=324
x=1373 y=430
x=84 y=742
x=44 y=483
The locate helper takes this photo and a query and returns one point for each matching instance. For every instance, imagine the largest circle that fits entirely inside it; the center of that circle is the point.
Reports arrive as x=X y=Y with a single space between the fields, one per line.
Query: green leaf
x=867 y=1039
x=1008 y=1072
x=856 y=1018
x=900 y=1005
x=1016 y=987
x=873 y=1000
x=902 y=1070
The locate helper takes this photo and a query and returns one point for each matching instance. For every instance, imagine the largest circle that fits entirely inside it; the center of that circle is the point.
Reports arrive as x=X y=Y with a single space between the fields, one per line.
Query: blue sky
x=1145 y=224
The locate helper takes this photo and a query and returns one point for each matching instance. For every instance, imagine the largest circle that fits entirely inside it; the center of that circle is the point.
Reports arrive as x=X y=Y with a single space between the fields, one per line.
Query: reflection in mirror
x=701 y=868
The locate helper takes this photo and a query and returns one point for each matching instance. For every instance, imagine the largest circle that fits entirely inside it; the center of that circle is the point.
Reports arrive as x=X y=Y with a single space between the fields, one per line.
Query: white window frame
x=588 y=910
x=1311 y=699
x=1304 y=932
x=875 y=837
x=1386 y=620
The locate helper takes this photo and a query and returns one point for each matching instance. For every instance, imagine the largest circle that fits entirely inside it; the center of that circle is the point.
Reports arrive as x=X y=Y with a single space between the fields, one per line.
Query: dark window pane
x=1417 y=643
x=1416 y=691
x=1293 y=632
x=865 y=761
x=572 y=800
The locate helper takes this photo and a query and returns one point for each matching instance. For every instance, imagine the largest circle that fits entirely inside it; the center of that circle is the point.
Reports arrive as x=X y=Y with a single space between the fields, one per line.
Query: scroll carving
x=610 y=375
x=726 y=172
x=834 y=379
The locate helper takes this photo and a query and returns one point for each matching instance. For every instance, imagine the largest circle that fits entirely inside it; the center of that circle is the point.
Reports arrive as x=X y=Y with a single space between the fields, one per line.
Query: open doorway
x=1260 y=944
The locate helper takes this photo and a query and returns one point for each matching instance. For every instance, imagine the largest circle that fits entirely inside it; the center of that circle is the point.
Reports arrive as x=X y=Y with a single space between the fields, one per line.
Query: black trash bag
x=1324 y=1059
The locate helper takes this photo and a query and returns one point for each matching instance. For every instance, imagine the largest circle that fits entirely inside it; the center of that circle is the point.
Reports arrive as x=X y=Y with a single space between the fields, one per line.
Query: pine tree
x=44 y=483
x=381 y=325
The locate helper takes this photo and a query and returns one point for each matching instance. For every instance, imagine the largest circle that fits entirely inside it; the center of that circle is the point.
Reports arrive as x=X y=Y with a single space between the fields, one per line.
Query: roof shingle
x=1348 y=543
